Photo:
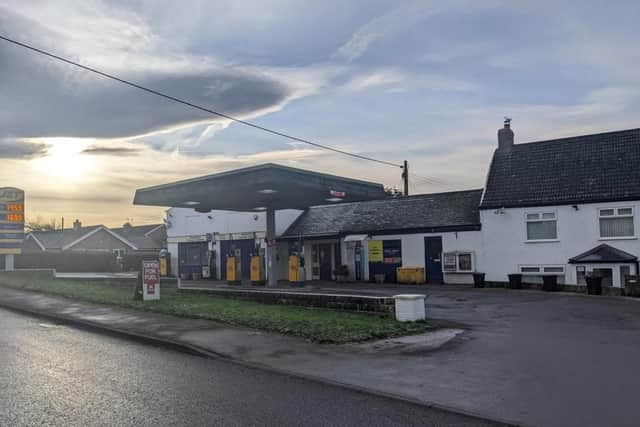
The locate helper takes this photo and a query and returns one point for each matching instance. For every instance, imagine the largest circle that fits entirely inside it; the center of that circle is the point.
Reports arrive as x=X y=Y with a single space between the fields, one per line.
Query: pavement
x=529 y=357
x=55 y=375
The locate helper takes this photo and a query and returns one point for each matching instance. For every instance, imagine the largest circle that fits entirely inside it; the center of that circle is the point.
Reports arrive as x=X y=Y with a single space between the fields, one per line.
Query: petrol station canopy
x=257 y=188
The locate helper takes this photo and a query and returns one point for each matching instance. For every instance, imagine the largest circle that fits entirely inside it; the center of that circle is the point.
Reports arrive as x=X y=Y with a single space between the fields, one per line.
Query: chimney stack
x=505 y=135
x=77 y=225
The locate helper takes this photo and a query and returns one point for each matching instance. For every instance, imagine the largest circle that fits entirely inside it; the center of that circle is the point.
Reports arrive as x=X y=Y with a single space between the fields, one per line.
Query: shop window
x=616 y=222
x=458 y=262
x=541 y=226
x=392 y=251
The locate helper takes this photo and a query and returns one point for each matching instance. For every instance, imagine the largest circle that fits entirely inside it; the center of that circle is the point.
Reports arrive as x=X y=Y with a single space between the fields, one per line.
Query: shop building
x=437 y=232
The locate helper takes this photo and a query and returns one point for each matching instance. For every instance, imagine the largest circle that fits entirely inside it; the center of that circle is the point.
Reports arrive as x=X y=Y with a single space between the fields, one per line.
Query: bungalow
x=93 y=248
x=564 y=207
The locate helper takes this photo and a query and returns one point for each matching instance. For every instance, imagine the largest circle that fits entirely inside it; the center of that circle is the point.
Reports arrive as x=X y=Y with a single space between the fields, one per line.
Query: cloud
x=98 y=150
x=14 y=149
x=396 y=80
x=399 y=19
x=70 y=102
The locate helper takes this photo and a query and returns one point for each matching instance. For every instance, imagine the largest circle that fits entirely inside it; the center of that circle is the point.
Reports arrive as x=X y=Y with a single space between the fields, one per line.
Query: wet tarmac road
x=58 y=375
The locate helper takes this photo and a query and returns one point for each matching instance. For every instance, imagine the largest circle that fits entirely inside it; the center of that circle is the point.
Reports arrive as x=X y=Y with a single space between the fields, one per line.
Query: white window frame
x=616 y=214
x=457 y=269
x=540 y=218
x=541 y=269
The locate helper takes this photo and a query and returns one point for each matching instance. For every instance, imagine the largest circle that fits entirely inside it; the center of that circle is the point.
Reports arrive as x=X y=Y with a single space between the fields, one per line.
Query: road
x=58 y=375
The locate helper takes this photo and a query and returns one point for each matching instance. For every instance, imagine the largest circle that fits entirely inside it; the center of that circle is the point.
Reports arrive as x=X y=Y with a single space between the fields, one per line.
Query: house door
x=433 y=259
x=324 y=259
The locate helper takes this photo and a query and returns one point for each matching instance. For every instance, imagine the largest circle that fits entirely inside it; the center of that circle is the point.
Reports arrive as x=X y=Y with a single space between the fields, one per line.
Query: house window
x=542 y=269
x=616 y=222
x=625 y=271
x=458 y=262
x=119 y=253
x=542 y=226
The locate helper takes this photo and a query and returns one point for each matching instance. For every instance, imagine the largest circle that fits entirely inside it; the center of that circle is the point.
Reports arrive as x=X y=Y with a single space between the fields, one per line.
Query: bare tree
x=39 y=224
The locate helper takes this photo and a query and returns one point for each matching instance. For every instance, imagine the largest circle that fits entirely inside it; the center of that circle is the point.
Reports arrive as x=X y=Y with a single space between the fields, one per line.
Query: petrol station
x=265 y=189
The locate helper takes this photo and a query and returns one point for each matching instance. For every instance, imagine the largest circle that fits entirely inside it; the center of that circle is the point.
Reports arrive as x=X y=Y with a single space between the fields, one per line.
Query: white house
x=566 y=207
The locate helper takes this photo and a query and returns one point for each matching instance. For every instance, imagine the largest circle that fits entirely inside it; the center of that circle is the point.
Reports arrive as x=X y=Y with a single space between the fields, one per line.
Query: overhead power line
x=197 y=107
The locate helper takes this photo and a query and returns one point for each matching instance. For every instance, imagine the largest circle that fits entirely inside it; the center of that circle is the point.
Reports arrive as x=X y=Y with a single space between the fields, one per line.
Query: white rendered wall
x=187 y=222
x=505 y=246
x=413 y=251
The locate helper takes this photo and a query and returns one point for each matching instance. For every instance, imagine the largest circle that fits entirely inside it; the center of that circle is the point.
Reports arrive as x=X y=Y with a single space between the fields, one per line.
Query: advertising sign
x=375 y=251
x=150 y=280
x=11 y=220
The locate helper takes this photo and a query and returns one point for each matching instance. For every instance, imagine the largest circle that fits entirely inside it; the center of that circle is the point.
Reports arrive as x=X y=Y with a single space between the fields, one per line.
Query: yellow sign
x=375 y=251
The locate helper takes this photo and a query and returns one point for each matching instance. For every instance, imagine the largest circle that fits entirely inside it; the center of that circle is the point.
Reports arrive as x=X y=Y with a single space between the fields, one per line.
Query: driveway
x=547 y=359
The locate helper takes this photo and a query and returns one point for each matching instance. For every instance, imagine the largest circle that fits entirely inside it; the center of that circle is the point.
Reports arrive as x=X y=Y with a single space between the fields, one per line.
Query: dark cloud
x=98 y=150
x=42 y=97
x=13 y=149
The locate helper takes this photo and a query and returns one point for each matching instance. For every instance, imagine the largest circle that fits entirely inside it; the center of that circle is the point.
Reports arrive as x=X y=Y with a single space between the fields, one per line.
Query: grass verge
x=318 y=325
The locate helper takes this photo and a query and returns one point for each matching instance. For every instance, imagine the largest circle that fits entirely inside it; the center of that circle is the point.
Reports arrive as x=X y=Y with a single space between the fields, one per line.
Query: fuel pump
x=257 y=266
x=234 y=266
x=296 y=264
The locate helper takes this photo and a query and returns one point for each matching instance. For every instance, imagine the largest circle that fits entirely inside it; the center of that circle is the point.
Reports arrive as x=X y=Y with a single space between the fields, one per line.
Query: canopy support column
x=272 y=279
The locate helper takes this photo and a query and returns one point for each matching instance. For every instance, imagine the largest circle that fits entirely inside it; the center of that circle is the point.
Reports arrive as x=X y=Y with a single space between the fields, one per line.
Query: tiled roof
x=137 y=235
x=603 y=253
x=57 y=239
x=140 y=235
x=582 y=169
x=441 y=211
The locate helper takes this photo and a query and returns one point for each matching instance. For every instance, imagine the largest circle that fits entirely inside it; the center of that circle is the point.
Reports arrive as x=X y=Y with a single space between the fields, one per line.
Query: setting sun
x=65 y=159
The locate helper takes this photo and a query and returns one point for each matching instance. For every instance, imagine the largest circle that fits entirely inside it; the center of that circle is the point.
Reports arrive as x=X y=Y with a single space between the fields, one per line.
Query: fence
x=82 y=262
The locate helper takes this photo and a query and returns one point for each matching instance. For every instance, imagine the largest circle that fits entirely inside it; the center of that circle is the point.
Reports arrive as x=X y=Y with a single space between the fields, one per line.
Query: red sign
x=335 y=193
x=151 y=279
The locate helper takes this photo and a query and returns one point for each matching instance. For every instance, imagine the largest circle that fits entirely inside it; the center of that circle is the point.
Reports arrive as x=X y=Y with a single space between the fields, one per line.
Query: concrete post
x=272 y=279
x=8 y=262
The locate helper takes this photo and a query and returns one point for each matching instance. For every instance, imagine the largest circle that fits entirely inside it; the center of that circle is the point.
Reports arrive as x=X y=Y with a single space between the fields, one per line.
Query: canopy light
x=267 y=191
x=334 y=199
x=191 y=203
x=260 y=208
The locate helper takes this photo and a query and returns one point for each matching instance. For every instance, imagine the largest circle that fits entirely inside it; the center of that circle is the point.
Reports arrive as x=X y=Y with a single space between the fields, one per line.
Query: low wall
x=27 y=275
x=382 y=305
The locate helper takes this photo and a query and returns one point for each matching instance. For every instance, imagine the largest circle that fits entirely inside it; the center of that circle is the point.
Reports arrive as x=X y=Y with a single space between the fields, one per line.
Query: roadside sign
x=150 y=280
x=11 y=220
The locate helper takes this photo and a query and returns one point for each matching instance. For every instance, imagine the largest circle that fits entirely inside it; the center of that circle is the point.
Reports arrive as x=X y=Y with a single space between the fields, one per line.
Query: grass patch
x=318 y=325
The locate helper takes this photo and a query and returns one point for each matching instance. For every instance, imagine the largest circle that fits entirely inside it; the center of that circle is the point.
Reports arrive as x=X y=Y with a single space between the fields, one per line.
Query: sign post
x=11 y=224
x=150 y=280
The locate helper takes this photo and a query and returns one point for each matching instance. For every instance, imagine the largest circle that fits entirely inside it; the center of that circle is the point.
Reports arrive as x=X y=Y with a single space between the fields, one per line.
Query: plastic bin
x=478 y=280
x=515 y=281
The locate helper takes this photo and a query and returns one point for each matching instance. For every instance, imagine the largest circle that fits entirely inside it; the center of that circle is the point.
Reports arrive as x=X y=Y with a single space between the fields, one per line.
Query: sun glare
x=64 y=159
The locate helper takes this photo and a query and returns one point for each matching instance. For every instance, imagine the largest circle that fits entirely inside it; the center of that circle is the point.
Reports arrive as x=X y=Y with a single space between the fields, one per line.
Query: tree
x=40 y=225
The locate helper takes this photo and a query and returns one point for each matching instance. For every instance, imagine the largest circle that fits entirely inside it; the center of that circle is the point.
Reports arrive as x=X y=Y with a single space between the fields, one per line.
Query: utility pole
x=405 y=177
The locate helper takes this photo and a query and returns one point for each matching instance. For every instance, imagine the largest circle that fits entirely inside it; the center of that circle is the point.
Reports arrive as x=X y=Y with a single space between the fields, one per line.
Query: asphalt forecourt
x=317 y=325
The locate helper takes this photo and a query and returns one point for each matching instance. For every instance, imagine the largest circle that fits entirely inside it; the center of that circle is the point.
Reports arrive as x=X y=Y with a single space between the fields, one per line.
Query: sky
x=425 y=81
